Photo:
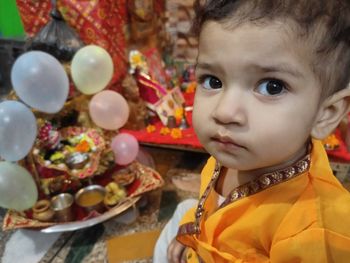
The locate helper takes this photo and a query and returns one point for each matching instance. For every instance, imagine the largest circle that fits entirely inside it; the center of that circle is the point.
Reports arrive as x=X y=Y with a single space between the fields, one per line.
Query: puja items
x=154 y=92
x=115 y=193
x=124 y=177
x=77 y=160
x=91 y=198
x=122 y=186
x=75 y=151
x=62 y=205
x=42 y=211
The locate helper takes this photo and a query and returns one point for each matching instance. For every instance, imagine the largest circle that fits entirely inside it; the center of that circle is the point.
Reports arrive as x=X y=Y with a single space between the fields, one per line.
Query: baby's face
x=258 y=97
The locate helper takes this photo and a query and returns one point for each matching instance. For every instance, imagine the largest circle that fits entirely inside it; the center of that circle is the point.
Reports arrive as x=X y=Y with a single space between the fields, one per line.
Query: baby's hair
x=325 y=24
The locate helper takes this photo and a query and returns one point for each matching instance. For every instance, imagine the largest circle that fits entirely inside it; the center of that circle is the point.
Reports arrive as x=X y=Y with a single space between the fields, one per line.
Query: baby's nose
x=231 y=108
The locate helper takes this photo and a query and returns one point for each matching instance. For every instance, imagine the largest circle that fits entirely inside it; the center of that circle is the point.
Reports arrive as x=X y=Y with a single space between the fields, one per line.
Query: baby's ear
x=330 y=114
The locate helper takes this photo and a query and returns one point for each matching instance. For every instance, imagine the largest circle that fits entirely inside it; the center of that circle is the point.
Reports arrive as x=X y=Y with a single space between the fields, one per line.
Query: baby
x=273 y=77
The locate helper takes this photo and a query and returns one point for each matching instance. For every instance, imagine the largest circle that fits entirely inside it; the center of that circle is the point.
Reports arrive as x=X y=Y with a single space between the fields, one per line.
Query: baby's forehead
x=277 y=33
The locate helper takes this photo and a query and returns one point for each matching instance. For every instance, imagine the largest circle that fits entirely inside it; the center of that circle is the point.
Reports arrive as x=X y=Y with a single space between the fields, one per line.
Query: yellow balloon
x=91 y=69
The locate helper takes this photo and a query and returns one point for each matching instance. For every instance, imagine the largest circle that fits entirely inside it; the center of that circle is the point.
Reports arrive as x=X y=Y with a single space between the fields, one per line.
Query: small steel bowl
x=62 y=205
x=77 y=160
x=91 y=198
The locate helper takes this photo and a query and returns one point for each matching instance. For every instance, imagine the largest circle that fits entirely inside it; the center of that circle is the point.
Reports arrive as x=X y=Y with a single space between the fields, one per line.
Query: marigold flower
x=164 y=131
x=176 y=133
x=83 y=146
x=136 y=59
x=150 y=128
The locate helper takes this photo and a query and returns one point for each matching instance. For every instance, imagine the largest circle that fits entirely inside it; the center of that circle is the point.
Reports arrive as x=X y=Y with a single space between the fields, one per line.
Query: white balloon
x=40 y=81
x=18 y=130
x=18 y=190
x=91 y=69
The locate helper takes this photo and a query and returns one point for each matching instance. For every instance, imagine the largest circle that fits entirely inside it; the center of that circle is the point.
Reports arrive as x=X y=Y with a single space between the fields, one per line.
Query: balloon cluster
x=41 y=83
x=92 y=69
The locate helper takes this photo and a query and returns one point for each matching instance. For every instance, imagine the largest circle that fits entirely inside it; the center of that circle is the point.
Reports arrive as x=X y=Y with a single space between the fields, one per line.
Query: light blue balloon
x=18 y=190
x=18 y=130
x=40 y=81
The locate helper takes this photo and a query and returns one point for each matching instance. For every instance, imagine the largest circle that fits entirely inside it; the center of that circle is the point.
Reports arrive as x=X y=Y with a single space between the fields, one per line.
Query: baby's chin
x=230 y=162
x=242 y=164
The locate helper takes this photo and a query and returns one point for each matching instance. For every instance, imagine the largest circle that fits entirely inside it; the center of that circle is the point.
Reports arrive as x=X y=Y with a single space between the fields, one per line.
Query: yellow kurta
x=304 y=219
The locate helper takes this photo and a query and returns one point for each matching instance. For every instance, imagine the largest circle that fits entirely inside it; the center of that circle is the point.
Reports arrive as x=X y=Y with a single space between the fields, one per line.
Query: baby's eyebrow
x=283 y=68
x=203 y=66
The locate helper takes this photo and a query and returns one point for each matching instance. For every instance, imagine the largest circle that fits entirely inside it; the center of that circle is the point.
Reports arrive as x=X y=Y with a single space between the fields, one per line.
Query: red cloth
x=34 y=15
x=341 y=153
x=189 y=98
x=97 y=22
x=188 y=140
x=150 y=91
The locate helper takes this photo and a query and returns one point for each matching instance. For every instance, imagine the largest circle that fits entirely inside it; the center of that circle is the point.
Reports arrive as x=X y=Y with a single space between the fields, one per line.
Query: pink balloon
x=125 y=148
x=109 y=110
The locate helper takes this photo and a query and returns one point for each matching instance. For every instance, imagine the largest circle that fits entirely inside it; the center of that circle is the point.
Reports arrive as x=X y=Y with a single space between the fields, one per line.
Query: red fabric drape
x=99 y=22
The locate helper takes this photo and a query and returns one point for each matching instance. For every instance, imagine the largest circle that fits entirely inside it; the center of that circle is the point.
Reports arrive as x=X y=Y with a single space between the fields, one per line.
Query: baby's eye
x=271 y=87
x=210 y=82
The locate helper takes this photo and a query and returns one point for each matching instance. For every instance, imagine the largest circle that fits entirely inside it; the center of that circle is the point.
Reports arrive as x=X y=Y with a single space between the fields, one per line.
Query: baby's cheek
x=196 y=118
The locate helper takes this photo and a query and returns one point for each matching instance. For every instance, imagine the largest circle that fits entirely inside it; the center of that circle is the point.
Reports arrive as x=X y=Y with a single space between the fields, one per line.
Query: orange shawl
x=305 y=218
